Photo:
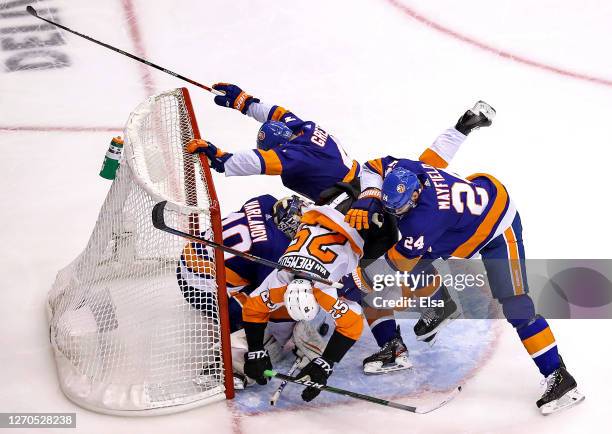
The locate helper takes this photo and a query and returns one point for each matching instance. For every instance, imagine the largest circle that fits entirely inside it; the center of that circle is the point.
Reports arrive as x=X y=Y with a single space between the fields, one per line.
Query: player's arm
x=349 y=325
x=418 y=235
x=368 y=204
x=255 y=315
x=241 y=163
x=239 y=100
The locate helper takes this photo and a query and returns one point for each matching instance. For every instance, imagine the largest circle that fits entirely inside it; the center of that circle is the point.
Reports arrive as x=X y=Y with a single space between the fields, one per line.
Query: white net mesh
x=124 y=337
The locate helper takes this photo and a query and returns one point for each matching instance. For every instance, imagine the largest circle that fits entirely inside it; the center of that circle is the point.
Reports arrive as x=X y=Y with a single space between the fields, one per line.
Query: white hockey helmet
x=300 y=300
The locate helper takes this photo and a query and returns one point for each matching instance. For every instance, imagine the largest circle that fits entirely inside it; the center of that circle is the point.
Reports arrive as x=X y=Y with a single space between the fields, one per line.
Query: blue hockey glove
x=363 y=212
x=351 y=287
x=216 y=156
x=234 y=97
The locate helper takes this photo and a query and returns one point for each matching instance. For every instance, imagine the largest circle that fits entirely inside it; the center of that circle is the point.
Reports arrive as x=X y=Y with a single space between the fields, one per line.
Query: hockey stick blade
x=360 y=396
x=157 y=216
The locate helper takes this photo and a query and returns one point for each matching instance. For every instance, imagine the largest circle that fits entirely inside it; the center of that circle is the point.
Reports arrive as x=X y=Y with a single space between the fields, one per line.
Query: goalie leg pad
x=308 y=342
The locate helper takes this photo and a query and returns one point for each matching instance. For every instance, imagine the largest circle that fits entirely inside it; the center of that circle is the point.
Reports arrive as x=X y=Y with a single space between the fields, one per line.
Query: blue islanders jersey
x=453 y=217
x=311 y=162
x=250 y=230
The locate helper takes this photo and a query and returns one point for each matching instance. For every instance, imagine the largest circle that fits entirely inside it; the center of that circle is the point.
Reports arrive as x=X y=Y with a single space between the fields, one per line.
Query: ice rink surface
x=385 y=76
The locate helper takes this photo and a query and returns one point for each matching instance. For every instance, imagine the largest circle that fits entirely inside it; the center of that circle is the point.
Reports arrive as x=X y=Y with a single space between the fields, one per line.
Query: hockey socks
x=384 y=331
x=540 y=343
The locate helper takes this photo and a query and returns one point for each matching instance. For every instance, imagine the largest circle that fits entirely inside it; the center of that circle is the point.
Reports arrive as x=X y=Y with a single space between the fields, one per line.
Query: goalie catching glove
x=234 y=97
x=216 y=156
x=364 y=210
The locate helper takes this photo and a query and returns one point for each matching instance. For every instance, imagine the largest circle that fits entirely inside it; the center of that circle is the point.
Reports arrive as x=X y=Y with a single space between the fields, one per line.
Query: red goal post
x=215 y=212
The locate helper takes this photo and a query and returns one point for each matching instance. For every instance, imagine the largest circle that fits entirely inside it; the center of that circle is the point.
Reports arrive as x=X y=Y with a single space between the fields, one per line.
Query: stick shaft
x=33 y=12
x=284 y=383
x=343 y=392
x=159 y=223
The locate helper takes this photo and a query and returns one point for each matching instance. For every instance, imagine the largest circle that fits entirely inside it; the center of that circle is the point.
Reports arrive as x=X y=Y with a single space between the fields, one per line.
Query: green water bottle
x=111 y=159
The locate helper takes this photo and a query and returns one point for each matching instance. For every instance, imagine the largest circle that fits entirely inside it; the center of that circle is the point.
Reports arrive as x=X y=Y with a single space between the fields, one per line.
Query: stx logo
x=254 y=355
x=324 y=365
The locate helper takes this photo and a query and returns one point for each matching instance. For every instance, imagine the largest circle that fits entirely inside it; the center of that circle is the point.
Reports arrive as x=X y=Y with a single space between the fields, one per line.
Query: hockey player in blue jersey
x=308 y=159
x=441 y=215
x=257 y=228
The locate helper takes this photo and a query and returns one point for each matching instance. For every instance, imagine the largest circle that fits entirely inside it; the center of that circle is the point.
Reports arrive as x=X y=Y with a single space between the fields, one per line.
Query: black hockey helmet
x=287 y=213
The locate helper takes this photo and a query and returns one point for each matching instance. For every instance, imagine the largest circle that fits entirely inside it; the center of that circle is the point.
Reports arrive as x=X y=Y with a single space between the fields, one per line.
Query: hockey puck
x=323 y=329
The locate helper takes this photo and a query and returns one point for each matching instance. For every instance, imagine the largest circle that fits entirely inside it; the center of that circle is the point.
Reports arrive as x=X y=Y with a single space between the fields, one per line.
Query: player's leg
x=504 y=260
x=392 y=354
x=307 y=339
x=256 y=311
x=199 y=289
x=348 y=318
x=276 y=334
x=438 y=308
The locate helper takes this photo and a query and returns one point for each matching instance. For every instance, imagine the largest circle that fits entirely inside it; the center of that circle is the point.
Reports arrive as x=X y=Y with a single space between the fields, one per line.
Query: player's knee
x=518 y=310
x=350 y=325
x=235 y=314
x=201 y=300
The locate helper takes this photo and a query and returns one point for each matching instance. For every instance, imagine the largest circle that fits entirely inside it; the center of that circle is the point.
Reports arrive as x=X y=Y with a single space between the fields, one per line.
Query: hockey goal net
x=125 y=339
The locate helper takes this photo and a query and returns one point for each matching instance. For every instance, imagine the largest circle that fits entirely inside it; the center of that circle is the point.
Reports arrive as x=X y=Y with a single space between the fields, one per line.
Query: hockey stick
x=34 y=13
x=159 y=223
x=418 y=410
x=282 y=386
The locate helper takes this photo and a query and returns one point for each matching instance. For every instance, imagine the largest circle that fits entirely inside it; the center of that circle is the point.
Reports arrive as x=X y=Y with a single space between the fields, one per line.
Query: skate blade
x=443 y=324
x=431 y=340
x=377 y=368
x=570 y=399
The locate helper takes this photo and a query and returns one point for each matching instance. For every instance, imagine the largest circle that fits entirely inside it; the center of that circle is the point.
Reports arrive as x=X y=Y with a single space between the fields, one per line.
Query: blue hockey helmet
x=397 y=191
x=271 y=134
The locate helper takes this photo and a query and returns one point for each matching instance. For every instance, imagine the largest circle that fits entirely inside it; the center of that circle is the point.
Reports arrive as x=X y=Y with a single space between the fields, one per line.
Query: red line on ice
x=491 y=49
x=132 y=20
x=26 y=128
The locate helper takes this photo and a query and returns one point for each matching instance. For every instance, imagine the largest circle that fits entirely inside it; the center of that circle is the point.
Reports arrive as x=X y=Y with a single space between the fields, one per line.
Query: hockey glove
x=216 y=156
x=234 y=97
x=351 y=287
x=255 y=363
x=317 y=371
x=481 y=115
x=364 y=210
